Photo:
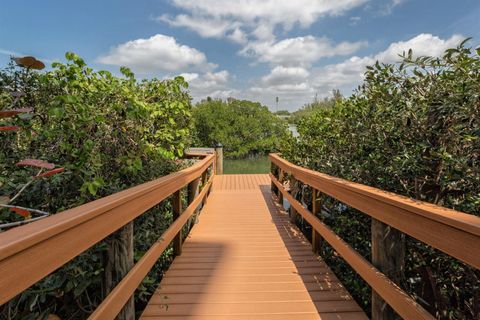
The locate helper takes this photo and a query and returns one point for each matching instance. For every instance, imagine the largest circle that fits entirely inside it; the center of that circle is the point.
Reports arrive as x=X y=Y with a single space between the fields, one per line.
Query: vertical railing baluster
x=279 y=194
x=388 y=255
x=316 y=208
x=177 y=211
x=293 y=212
x=219 y=159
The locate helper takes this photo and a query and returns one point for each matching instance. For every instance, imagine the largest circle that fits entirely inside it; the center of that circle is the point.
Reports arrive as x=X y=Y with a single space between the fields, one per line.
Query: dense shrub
x=309 y=108
x=243 y=127
x=412 y=128
x=109 y=133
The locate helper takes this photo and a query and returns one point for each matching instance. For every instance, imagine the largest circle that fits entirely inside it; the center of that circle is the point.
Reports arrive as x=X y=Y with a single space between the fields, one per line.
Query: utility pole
x=276 y=102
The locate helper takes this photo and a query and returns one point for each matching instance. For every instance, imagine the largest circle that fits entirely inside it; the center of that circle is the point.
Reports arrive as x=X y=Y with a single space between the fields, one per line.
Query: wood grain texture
x=400 y=301
x=114 y=302
x=37 y=249
x=453 y=232
x=244 y=260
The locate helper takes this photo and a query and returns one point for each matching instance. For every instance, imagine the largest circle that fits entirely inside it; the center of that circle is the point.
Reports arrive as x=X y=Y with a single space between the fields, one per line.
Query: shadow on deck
x=245 y=260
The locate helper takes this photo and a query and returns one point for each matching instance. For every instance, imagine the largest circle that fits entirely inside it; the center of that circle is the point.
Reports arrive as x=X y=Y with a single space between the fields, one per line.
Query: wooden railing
x=31 y=252
x=453 y=232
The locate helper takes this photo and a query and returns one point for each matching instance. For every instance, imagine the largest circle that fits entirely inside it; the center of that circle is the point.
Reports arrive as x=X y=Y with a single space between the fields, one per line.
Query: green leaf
x=92 y=188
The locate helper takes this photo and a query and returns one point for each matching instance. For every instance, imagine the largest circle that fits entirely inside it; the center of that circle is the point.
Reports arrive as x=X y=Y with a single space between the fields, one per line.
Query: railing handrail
x=55 y=240
x=195 y=152
x=453 y=232
x=457 y=235
x=114 y=302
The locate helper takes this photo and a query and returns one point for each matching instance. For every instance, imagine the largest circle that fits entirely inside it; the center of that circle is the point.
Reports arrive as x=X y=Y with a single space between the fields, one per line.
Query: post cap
x=217 y=145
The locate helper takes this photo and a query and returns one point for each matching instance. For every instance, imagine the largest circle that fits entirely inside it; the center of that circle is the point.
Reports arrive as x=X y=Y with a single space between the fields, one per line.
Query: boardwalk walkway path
x=244 y=260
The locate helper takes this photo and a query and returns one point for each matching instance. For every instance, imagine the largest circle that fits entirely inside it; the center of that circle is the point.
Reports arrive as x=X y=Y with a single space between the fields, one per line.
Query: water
x=249 y=165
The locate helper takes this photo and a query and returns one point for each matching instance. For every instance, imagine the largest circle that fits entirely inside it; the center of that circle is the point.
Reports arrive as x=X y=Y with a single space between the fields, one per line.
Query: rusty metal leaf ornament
x=30 y=63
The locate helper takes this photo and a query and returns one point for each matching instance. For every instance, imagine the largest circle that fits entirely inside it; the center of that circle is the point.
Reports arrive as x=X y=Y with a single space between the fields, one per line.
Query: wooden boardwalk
x=244 y=260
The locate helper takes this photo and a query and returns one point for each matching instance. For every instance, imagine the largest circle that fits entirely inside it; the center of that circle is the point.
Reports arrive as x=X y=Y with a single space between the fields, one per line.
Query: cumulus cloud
x=285 y=75
x=238 y=36
x=254 y=24
x=189 y=76
x=157 y=53
x=349 y=73
x=423 y=44
x=283 y=12
x=211 y=84
x=164 y=54
x=301 y=51
x=205 y=27
x=296 y=86
x=244 y=21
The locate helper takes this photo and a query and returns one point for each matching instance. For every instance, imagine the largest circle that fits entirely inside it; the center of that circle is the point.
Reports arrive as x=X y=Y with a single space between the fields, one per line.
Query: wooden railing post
x=204 y=182
x=193 y=188
x=118 y=260
x=316 y=208
x=273 y=187
x=193 y=191
x=177 y=211
x=293 y=212
x=219 y=158
x=388 y=255
x=279 y=194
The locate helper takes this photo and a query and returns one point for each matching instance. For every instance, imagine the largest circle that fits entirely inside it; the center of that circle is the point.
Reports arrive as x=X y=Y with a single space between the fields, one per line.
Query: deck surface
x=244 y=260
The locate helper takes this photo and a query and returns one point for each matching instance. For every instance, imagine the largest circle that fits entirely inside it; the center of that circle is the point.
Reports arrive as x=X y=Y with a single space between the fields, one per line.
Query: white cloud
x=296 y=86
x=209 y=84
x=345 y=74
x=300 y=51
x=392 y=4
x=285 y=75
x=253 y=24
x=238 y=36
x=205 y=27
x=189 y=76
x=349 y=73
x=264 y=32
x=216 y=78
x=157 y=53
x=284 y=12
x=244 y=21
x=423 y=44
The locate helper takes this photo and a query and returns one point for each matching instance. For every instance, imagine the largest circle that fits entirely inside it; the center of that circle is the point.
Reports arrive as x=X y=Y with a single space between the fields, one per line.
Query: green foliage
x=308 y=109
x=282 y=113
x=412 y=128
x=243 y=127
x=109 y=133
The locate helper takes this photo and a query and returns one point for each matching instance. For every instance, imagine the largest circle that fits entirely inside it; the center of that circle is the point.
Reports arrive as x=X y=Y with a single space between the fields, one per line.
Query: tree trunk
x=388 y=255
x=118 y=260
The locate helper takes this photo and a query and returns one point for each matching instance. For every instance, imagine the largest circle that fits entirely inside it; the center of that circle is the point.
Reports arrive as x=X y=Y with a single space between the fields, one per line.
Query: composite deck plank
x=244 y=260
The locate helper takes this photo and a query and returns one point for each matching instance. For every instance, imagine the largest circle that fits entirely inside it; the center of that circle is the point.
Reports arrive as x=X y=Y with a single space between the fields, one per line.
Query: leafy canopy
x=242 y=127
x=412 y=128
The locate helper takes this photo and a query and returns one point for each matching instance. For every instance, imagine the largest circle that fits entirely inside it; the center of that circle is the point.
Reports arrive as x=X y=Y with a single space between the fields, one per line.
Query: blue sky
x=257 y=50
